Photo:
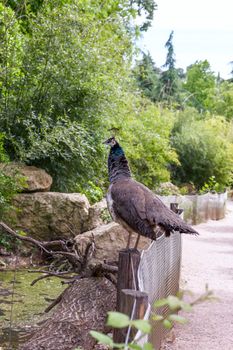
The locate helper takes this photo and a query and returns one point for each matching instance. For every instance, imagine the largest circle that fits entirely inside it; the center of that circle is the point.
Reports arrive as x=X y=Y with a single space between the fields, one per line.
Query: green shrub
x=93 y=192
x=59 y=83
x=167 y=189
x=144 y=133
x=9 y=187
x=211 y=186
x=204 y=150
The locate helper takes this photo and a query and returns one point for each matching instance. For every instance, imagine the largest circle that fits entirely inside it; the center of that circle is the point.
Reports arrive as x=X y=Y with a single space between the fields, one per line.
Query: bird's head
x=111 y=142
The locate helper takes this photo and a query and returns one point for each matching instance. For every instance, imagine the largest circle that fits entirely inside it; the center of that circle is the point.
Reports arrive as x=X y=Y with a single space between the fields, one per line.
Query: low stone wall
x=199 y=208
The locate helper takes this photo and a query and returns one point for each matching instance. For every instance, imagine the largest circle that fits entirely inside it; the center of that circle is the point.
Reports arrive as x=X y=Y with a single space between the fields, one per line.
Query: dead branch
x=50 y=275
x=54 y=302
x=23 y=238
x=72 y=257
x=81 y=263
x=46 y=271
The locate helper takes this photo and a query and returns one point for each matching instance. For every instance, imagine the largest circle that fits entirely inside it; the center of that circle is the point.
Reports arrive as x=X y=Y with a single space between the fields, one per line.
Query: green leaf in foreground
x=160 y=302
x=142 y=325
x=173 y=302
x=148 y=346
x=134 y=346
x=177 y=318
x=117 y=320
x=102 y=338
x=157 y=317
x=185 y=306
x=167 y=324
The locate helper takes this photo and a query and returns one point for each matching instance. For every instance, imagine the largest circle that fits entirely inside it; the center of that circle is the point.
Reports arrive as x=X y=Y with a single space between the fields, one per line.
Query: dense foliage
x=201 y=105
x=145 y=138
x=60 y=84
x=204 y=150
x=67 y=78
x=9 y=185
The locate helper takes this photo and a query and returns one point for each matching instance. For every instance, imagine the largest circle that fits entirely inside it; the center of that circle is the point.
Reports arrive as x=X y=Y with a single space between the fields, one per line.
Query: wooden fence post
x=174 y=207
x=134 y=304
x=128 y=295
x=128 y=263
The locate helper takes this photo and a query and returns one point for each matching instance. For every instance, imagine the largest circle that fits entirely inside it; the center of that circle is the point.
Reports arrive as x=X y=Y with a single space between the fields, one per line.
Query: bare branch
x=51 y=274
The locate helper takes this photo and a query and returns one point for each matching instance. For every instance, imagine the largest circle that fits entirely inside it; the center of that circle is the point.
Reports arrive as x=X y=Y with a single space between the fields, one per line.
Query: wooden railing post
x=129 y=298
x=174 y=207
x=128 y=263
x=134 y=304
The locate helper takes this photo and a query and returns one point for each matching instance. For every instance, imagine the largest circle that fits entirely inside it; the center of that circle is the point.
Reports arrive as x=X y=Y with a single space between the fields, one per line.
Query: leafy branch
x=175 y=304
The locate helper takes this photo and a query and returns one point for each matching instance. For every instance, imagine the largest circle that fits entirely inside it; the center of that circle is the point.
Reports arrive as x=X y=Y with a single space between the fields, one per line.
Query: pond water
x=22 y=305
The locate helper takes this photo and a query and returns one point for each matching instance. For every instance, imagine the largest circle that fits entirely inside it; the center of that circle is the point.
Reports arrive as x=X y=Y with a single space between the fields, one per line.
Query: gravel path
x=208 y=258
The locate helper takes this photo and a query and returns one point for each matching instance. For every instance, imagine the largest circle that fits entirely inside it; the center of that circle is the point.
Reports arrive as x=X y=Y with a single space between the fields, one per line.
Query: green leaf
x=134 y=346
x=174 y=303
x=177 y=318
x=102 y=338
x=167 y=324
x=185 y=306
x=22 y=233
x=118 y=345
x=117 y=320
x=157 y=317
x=142 y=325
x=160 y=302
x=148 y=346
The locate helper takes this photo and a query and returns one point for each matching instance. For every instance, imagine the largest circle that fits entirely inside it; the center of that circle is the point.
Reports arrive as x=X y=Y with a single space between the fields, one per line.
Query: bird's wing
x=129 y=204
x=143 y=211
x=159 y=214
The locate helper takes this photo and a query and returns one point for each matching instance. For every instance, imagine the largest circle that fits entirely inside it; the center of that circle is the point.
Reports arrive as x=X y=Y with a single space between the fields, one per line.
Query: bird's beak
x=106 y=142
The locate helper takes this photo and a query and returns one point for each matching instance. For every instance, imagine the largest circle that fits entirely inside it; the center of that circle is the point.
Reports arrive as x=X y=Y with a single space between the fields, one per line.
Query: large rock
x=109 y=239
x=52 y=215
x=98 y=215
x=37 y=180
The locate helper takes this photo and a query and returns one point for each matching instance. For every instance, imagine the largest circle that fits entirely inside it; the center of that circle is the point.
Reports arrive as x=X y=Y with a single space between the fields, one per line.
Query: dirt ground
x=208 y=258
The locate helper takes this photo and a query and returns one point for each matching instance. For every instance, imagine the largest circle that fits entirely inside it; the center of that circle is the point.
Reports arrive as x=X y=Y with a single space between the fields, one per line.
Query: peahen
x=133 y=205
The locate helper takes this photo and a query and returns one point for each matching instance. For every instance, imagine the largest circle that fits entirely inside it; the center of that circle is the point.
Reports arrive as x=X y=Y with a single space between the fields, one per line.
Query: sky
x=203 y=29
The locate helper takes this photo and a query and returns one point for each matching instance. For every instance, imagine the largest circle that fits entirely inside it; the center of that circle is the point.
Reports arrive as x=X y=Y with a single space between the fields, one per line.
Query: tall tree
x=65 y=69
x=147 y=76
x=146 y=9
x=60 y=83
x=170 y=60
x=200 y=81
x=168 y=83
x=130 y=8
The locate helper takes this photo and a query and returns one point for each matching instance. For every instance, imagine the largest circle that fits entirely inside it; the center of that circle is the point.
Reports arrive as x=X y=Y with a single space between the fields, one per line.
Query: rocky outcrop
x=98 y=215
x=51 y=215
x=37 y=180
x=109 y=239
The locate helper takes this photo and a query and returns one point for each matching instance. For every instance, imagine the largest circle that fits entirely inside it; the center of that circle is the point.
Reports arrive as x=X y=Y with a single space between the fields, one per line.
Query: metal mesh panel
x=158 y=276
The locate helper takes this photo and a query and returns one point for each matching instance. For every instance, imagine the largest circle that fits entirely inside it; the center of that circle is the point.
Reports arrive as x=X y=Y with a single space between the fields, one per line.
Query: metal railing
x=158 y=276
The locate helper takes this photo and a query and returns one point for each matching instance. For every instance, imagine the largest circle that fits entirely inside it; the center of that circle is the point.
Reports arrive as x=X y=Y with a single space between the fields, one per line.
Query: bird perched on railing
x=133 y=205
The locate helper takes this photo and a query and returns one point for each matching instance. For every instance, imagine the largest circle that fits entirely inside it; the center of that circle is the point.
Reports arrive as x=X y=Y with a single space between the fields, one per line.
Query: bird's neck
x=118 y=166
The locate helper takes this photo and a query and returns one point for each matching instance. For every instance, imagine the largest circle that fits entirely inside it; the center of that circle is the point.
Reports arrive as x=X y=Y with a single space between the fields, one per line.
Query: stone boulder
x=98 y=215
x=37 y=180
x=109 y=239
x=51 y=215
